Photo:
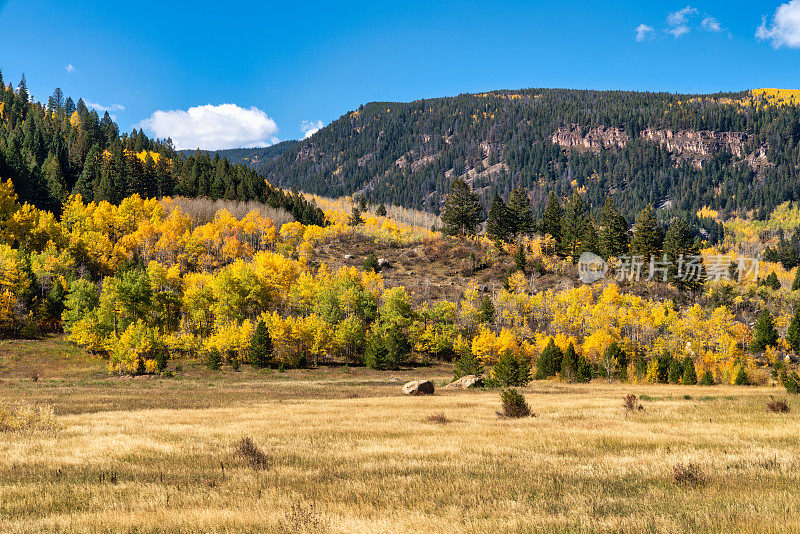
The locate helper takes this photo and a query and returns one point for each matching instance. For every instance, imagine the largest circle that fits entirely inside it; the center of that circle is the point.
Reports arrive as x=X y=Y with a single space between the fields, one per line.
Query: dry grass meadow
x=343 y=451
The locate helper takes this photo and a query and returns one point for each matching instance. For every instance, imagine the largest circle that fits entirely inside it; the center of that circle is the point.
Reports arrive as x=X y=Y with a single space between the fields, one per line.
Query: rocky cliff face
x=702 y=143
x=592 y=139
x=692 y=146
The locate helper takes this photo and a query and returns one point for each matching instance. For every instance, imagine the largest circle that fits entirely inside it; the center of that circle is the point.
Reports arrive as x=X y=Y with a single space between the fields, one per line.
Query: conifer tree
x=793 y=332
x=511 y=370
x=689 y=377
x=486 y=311
x=355 y=217
x=771 y=281
x=381 y=211
x=549 y=362
x=574 y=224
x=678 y=242
x=764 y=333
x=675 y=371
x=261 y=346
x=497 y=224
x=612 y=234
x=708 y=379
x=520 y=215
x=551 y=222
x=647 y=235
x=741 y=377
x=796 y=282
x=462 y=211
x=569 y=364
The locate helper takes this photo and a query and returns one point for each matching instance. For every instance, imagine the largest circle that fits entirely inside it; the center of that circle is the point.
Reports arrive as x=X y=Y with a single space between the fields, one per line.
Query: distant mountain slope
x=734 y=152
x=252 y=157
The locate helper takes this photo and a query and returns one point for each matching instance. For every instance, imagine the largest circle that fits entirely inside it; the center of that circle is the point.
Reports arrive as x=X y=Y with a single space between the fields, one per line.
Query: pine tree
x=261 y=346
x=462 y=211
x=612 y=234
x=771 y=281
x=467 y=364
x=520 y=261
x=647 y=235
x=511 y=370
x=689 y=377
x=355 y=217
x=22 y=89
x=549 y=362
x=381 y=211
x=521 y=216
x=486 y=311
x=796 y=282
x=764 y=333
x=574 y=224
x=675 y=371
x=497 y=224
x=678 y=242
x=569 y=364
x=741 y=377
x=584 y=370
x=551 y=222
x=708 y=379
x=793 y=332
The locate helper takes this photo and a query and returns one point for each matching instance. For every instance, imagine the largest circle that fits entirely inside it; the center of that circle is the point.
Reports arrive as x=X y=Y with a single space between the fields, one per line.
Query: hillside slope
x=734 y=152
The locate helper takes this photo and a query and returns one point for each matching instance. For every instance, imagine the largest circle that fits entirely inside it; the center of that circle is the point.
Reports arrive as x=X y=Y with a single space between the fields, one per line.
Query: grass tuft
x=688 y=475
x=252 y=454
x=778 y=406
x=438 y=419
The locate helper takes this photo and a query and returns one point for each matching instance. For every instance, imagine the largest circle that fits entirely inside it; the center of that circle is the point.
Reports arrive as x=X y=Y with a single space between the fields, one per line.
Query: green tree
x=511 y=369
x=261 y=346
x=675 y=371
x=83 y=297
x=764 y=334
x=462 y=210
x=678 y=242
x=771 y=281
x=741 y=377
x=467 y=364
x=520 y=261
x=381 y=211
x=569 y=364
x=793 y=332
x=647 y=235
x=520 y=213
x=551 y=221
x=497 y=224
x=549 y=362
x=689 y=377
x=355 y=217
x=486 y=311
x=708 y=379
x=574 y=226
x=612 y=234
x=796 y=281
x=371 y=262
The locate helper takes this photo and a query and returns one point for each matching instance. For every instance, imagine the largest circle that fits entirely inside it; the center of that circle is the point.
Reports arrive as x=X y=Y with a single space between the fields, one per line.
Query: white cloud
x=69 y=68
x=100 y=107
x=710 y=24
x=643 y=31
x=678 y=21
x=309 y=128
x=785 y=27
x=213 y=127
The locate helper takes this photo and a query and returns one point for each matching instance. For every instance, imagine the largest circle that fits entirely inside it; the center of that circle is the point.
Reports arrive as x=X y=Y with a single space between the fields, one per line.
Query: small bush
x=254 y=456
x=438 y=419
x=688 y=475
x=212 y=359
x=371 y=262
x=741 y=377
x=631 y=403
x=707 y=380
x=26 y=418
x=303 y=519
x=514 y=404
x=778 y=406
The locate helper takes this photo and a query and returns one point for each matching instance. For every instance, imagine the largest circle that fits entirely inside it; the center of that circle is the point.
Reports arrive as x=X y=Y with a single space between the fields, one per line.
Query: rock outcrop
x=465 y=382
x=418 y=387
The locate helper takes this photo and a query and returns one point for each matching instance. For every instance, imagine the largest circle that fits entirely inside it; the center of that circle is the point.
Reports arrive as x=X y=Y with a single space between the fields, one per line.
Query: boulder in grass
x=418 y=387
x=466 y=382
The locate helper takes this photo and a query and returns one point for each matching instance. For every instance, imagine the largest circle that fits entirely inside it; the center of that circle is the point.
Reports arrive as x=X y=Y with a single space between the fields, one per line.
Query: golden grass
x=377 y=463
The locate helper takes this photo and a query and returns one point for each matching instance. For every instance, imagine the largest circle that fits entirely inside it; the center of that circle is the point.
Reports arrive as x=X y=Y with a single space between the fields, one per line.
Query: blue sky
x=301 y=63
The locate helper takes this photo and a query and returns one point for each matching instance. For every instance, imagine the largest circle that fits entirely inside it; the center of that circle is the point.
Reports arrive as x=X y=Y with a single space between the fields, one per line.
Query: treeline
x=53 y=151
x=405 y=153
